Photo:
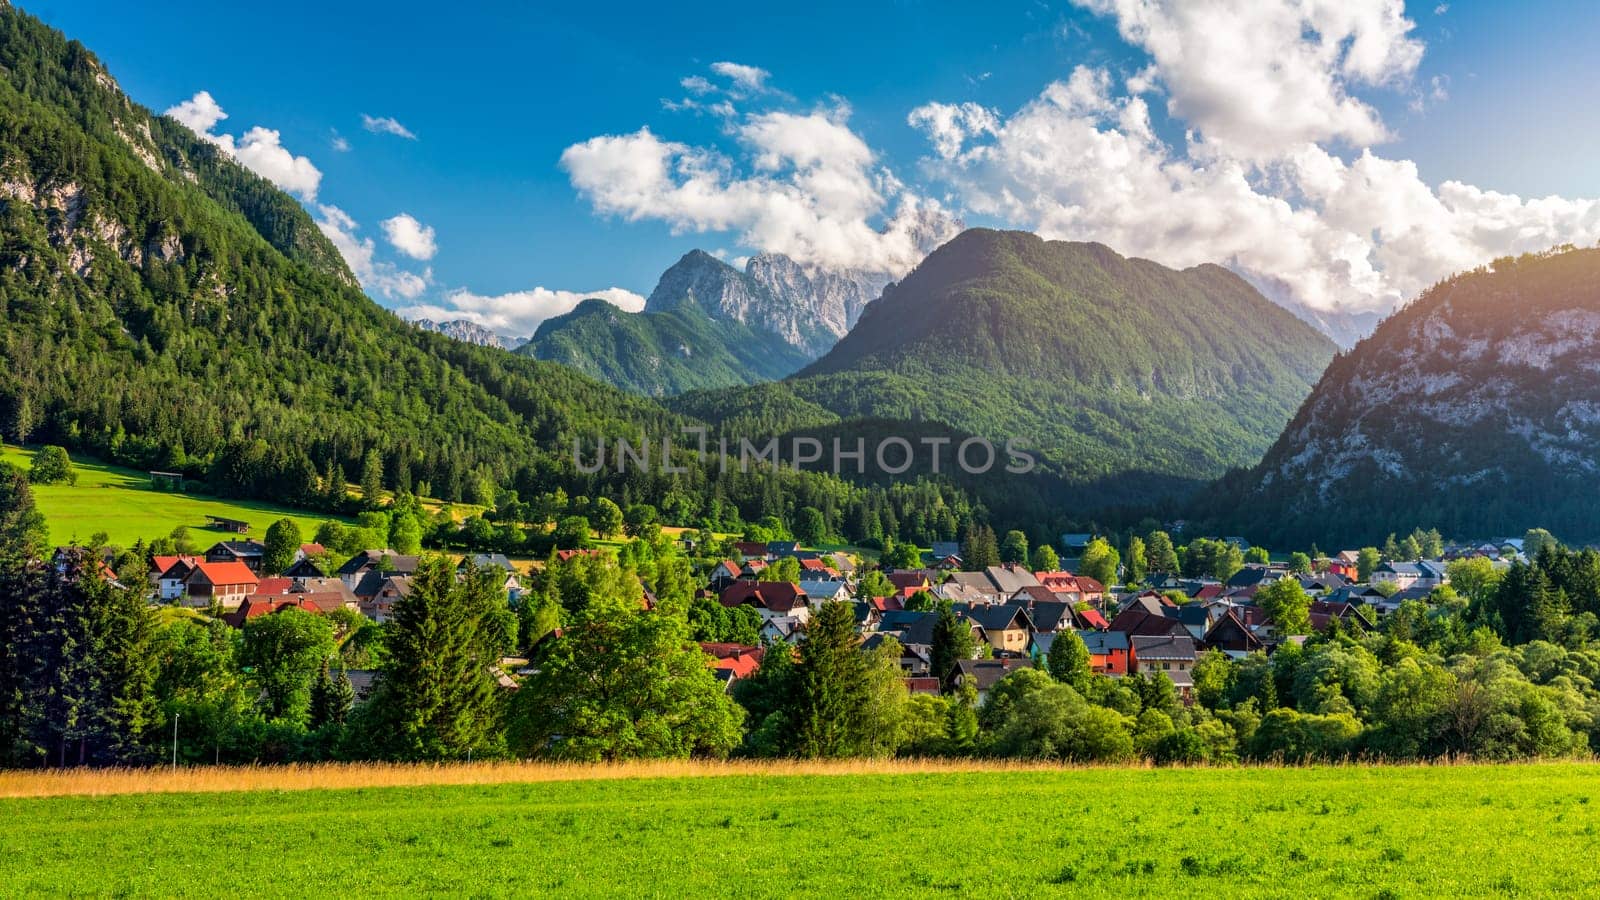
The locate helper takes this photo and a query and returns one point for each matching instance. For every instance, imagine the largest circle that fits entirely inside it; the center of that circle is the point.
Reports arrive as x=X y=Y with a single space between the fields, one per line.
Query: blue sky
x=1494 y=98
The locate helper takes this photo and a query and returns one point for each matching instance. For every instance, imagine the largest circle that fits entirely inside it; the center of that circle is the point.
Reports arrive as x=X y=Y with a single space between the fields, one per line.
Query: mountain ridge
x=1469 y=410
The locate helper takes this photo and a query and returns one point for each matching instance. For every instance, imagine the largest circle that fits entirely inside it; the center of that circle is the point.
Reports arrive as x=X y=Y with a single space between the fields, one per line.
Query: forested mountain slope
x=1131 y=378
x=1474 y=410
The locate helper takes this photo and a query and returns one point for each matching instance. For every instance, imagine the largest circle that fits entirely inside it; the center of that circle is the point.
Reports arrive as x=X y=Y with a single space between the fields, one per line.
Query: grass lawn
x=121 y=503
x=1359 y=832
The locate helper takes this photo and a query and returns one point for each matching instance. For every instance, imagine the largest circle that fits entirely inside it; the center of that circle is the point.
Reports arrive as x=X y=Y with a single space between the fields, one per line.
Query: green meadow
x=121 y=503
x=1525 y=830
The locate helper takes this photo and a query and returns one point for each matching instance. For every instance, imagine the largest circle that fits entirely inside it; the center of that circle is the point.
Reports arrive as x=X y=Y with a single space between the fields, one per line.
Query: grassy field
x=895 y=831
x=121 y=503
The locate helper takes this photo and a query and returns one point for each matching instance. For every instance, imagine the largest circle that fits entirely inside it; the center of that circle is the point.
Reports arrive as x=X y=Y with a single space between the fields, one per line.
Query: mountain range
x=707 y=324
x=1475 y=409
x=166 y=308
x=469 y=332
x=1133 y=381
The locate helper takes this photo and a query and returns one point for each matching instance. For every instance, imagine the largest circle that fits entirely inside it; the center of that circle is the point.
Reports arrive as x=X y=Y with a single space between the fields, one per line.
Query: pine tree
x=372 y=480
x=831 y=677
x=1159 y=553
x=83 y=668
x=436 y=695
x=952 y=643
x=332 y=696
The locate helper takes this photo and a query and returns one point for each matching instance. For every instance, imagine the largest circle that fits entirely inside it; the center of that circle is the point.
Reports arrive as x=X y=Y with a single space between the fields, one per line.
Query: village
x=1015 y=615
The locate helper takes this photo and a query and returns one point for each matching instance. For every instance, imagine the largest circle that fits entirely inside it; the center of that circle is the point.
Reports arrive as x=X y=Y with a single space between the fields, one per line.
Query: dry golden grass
x=334 y=776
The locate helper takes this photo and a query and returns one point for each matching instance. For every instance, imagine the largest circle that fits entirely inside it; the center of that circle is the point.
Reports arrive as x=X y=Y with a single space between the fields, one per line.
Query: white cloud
x=1256 y=80
x=386 y=125
x=200 y=113
x=338 y=143
x=1077 y=163
x=359 y=253
x=697 y=84
x=260 y=149
x=949 y=126
x=809 y=187
x=746 y=78
x=410 y=237
x=519 y=313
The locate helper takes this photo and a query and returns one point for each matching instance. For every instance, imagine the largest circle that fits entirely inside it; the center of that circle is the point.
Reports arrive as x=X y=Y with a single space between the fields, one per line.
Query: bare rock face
x=469 y=332
x=809 y=308
x=1475 y=409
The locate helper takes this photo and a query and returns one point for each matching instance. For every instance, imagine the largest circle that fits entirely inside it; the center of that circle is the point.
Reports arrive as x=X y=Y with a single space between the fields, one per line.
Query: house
x=752 y=568
x=1169 y=653
x=1255 y=575
x=1048 y=616
x=1139 y=619
x=222 y=583
x=1400 y=574
x=222 y=523
x=378 y=593
x=944 y=549
x=251 y=553
x=780 y=549
x=1231 y=636
x=914 y=580
x=1323 y=614
x=732 y=662
x=487 y=561
x=926 y=684
x=771 y=599
x=304 y=567
x=169 y=573
x=1073 y=587
x=1007 y=627
x=723 y=573
x=983 y=674
x=256 y=607
x=993 y=585
x=569 y=555
x=310 y=550
x=749 y=550
x=1108 y=651
x=367 y=562
x=822 y=592
x=781 y=629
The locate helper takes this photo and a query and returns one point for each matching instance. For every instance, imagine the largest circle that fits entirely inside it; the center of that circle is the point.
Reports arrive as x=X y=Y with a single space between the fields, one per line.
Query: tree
x=1474 y=578
x=1287 y=604
x=606 y=517
x=1533 y=542
x=78 y=662
x=572 y=533
x=810 y=526
x=1045 y=559
x=332 y=696
x=1159 y=553
x=1299 y=563
x=622 y=682
x=1258 y=555
x=786 y=569
x=436 y=697
x=901 y=557
x=1100 y=562
x=1367 y=561
x=952 y=642
x=283 y=545
x=1014 y=549
x=1138 y=564
x=842 y=705
x=1068 y=661
x=51 y=465
x=1055 y=722
x=979 y=549
x=372 y=480
x=285 y=651
x=874 y=584
x=405 y=533
x=1213 y=676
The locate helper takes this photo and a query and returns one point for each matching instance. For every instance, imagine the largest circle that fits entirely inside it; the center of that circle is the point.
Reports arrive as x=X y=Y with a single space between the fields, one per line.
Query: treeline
x=91 y=676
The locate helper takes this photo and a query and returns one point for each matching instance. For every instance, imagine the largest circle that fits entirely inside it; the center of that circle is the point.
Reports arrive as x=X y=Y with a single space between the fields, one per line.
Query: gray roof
x=1103 y=642
x=1163 y=646
x=996 y=617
